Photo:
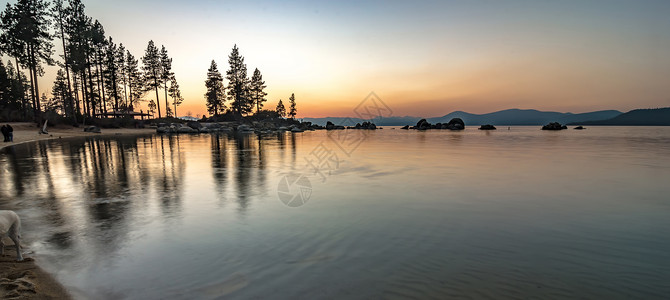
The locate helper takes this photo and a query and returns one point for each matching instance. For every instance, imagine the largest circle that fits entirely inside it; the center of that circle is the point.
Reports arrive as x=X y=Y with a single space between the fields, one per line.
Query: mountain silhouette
x=636 y=117
x=503 y=117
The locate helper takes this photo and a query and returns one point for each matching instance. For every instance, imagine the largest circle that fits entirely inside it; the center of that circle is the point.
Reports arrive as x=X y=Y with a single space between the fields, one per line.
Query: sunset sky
x=422 y=59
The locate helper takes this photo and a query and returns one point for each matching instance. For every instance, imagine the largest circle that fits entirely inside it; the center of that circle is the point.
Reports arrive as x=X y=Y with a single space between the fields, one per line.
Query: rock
x=487 y=127
x=405 y=127
x=456 y=124
x=194 y=125
x=296 y=129
x=330 y=125
x=186 y=129
x=554 y=126
x=422 y=125
x=94 y=129
x=579 y=127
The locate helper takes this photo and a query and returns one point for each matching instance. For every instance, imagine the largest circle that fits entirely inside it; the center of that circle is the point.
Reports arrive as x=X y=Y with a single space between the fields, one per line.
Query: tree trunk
x=85 y=96
x=116 y=94
x=125 y=91
x=158 y=102
x=101 y=85
x=92 y=104
x=76 y=98
x=70 y=99
x=167 y=104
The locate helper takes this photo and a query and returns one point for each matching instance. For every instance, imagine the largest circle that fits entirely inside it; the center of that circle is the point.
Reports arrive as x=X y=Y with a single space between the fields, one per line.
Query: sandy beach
x=28 y=132
x=26 y=280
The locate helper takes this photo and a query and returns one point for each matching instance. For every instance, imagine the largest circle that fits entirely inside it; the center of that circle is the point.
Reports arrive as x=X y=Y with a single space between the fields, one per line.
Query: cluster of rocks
x=192 y=127
x=365 y=125
x=331 y=126
x=554 y=126
x=454 y=124
x=233 y=127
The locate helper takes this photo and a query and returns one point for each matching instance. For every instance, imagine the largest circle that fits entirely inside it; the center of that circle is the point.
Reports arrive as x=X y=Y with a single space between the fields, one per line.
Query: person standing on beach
x=10 y=133
x=4 y=133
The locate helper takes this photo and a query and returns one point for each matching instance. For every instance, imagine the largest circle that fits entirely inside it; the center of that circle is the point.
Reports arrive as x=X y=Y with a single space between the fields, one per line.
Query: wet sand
x=26 y=280
x=28 y=132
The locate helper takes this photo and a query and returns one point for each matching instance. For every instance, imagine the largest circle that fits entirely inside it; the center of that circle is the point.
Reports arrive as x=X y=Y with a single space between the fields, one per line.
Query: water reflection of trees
x=239 y=165
x=94 y=185
x=88 y=194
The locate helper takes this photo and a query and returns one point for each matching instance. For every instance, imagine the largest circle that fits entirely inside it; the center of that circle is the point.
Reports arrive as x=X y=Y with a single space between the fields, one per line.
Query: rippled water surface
x=391 y=213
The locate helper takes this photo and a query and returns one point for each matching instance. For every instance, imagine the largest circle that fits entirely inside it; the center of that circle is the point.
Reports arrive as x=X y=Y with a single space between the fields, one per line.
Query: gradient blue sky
x=424 y=59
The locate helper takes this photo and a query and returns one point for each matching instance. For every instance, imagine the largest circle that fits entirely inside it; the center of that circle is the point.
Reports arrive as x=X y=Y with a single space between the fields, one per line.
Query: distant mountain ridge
x=525 y=117
x=636 y=117
x=503 y=117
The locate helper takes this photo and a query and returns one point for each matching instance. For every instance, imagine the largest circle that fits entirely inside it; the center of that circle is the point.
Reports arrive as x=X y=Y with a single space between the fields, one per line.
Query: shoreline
x=26 y=279
x=26 y=132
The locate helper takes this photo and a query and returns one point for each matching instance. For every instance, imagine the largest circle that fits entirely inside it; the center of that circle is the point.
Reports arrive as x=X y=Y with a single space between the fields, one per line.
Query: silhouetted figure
x=5 y=133
x=10 y=133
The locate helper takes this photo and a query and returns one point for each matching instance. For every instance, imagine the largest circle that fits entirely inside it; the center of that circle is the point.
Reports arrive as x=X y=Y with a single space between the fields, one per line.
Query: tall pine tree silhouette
x=152 y=71
x=215 y=94
x=238 y=84
x=256 y=89
x=292 y=109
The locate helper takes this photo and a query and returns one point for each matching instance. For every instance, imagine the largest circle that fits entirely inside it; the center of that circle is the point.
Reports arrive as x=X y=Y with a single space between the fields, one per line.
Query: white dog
x=10 y=225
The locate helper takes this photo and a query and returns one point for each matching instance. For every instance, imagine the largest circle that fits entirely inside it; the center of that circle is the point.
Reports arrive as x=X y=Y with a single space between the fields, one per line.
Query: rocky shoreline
x=261 y=127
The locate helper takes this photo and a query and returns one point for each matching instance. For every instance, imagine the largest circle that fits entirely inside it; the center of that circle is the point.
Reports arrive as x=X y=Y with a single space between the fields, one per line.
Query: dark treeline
x=97 y=77
x=243 y=94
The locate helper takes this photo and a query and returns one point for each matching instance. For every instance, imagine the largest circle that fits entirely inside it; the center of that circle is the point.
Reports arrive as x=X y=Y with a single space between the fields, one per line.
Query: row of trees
x=96 y=75
x=243 y=93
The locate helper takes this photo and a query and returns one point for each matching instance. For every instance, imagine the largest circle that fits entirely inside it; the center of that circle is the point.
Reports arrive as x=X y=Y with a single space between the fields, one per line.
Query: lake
x=519 y=213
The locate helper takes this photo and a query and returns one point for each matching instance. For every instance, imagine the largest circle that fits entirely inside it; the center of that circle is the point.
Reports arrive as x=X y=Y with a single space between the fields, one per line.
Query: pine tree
x=59 y=91
x=120 y=57
x=152 y=107
x=5 y=87
x=256 y=89
x=59 y=13
x=77 y=28
x=135 y=80
x=99 y=44
x=292 y=110
x=215 y=94
x=111 y=72
x=26 y=37
x=281 y=110
x=175 y=93
x=152 y=71
x=166 y=73
x=238 y=84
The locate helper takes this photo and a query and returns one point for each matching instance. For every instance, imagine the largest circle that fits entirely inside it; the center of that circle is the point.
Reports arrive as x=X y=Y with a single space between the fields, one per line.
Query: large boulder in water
x=195 y=125
x=554 y=126
x=330 y=125
x=423 y=124
x=456 y=124
x=487 y=127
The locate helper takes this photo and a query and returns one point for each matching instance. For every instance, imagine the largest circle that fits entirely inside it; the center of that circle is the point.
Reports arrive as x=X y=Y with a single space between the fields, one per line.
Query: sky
x=422 y=58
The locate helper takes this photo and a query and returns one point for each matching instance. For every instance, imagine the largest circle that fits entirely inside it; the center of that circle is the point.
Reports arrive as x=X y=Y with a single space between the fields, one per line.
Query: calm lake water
x=519 y=213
